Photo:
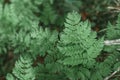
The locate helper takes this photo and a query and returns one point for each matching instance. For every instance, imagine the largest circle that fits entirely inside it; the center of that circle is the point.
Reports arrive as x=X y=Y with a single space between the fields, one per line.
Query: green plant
x=74 y=52
x=78 y=42
x=23 y=69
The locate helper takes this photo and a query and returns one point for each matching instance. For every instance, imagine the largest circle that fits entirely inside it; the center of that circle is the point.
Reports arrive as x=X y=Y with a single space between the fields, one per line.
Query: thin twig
x=108 y=29
x=108 y=77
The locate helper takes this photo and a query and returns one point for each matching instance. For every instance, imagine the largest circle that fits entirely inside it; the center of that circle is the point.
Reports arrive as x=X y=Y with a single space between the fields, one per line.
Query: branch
x=108 y=77
x=114 y=8
x=112 y=42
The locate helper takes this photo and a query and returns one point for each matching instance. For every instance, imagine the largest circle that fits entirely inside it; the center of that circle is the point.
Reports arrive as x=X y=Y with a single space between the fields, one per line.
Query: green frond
x=1 y=8
x=50 y=71
x=75 y=73
x=105 y=68
x=46 y=17
x=23 y=69
x=77 y=42
x=37 y=40
x=76 y=53
x=113 y=32
x=10 y=77
x=114 y=29
x=44 y=41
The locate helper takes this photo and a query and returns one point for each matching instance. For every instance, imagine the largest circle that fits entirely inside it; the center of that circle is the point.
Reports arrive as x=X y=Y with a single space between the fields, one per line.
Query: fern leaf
x=77 y=42
x=23 y=69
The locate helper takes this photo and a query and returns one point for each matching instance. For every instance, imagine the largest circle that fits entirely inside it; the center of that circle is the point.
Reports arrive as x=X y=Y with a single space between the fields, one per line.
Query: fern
x=22 y=9
x=50 y=69
x=113 y=32
x=23 y=69
x=46 y=17
x=7 y=15
x=103 y=69
x=78 y=43
x=37 y=41
x=111 y=63
x=23 y=33
x=114 y=29
x=76 y=53
x=44 y=40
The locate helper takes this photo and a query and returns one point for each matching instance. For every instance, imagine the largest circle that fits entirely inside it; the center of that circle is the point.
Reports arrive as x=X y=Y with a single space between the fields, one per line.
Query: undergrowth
x=32 y=47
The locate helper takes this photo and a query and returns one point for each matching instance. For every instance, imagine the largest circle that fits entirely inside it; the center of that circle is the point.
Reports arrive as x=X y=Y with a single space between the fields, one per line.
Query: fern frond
x=44 y=41
x=113 y=30
x=7 y=27
x=112 y=33
x=77 y=42
x=46 y=17
x=23 y=69
x=1 y=8
x=105 y=68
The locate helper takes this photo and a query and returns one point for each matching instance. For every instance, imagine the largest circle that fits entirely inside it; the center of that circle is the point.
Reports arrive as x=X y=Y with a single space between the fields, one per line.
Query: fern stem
x=107 y=29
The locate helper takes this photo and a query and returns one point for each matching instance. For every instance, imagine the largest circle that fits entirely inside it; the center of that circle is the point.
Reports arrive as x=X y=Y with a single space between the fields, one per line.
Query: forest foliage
x=59 y=40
